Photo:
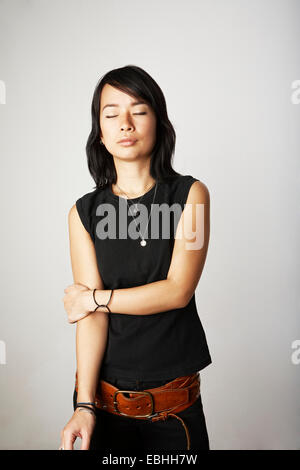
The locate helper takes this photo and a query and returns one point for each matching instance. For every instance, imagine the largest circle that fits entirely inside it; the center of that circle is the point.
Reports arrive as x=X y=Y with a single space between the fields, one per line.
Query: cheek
x=148 y=130
x=108 y=130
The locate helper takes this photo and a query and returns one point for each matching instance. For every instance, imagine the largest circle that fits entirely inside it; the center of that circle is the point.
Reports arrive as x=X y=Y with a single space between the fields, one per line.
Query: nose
x=127 y=124
x=126 y=127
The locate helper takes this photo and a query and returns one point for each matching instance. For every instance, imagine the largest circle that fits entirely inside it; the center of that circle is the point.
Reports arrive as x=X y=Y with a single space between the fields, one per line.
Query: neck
x=133 y=178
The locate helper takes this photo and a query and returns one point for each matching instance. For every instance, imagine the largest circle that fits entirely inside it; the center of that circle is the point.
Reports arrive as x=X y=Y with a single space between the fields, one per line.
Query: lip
x=127 y=142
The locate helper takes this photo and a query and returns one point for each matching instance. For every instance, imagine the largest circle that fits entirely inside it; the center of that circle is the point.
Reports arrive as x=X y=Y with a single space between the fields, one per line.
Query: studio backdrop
x=230 y=72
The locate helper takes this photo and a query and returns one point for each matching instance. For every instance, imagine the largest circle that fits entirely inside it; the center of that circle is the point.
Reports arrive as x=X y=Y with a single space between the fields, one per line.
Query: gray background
x=226 y=69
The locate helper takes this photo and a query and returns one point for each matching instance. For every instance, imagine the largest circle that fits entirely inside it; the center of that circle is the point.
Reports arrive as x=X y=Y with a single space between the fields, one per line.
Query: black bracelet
x=86 y=403
x=102 y=305
x=87 y=407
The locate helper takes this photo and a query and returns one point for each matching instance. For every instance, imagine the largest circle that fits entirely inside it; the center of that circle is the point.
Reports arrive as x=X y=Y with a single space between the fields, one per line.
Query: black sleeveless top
x=154 y=346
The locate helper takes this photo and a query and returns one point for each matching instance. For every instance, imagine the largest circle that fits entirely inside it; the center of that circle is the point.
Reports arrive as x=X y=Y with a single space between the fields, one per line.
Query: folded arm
x=188 y=259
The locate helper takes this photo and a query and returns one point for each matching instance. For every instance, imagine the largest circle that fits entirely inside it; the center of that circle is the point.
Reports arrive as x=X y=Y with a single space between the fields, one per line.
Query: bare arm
x=91 y=335
x=188 y=259
x=91 y=331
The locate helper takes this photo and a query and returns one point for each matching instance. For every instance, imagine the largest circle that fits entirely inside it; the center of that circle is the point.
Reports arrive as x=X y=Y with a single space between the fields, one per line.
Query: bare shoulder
x=198 y=192
x=73 y=212
x=73 y=216
x=76 y=225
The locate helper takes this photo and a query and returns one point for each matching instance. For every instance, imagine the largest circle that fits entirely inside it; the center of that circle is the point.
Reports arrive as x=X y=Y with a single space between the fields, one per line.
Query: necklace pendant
x=143 y=242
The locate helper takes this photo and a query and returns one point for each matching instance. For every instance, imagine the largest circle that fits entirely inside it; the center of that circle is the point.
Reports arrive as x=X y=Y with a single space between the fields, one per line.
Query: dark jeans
x=119 y=432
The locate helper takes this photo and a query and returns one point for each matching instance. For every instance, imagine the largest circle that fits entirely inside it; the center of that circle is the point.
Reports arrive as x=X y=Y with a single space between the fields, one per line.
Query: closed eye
x=116 y=115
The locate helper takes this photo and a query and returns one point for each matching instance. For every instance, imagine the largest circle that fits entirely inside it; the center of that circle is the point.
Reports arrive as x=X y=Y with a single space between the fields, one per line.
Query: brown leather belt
x=155 y=403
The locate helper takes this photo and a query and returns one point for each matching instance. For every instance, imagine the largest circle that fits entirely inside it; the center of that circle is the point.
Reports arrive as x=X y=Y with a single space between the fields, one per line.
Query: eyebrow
x=116 y=105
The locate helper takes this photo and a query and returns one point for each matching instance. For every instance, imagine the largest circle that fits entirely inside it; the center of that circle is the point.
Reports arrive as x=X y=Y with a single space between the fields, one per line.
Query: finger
x=69 y=440
x=61 y=440
x=85 y=443
x=71 y=286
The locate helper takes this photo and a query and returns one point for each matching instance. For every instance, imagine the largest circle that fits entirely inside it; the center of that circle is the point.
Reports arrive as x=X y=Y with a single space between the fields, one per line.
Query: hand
x=80 y=425
x=77 y=302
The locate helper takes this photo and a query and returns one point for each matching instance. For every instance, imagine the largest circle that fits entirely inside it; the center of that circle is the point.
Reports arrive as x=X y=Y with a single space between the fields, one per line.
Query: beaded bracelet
x=102 y=305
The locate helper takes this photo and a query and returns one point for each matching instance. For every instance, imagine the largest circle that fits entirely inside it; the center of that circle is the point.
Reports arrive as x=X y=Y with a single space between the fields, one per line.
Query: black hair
x=137 y=83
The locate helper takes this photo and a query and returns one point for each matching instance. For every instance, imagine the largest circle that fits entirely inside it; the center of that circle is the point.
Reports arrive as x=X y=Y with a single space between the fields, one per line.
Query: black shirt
x=144 y=347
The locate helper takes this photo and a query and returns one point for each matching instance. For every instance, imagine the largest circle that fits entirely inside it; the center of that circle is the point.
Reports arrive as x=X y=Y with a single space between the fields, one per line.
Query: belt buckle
x=152 y=413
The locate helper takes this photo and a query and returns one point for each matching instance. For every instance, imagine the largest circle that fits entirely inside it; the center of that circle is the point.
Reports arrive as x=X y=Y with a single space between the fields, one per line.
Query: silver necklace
x=143 y=241
x=134 y=205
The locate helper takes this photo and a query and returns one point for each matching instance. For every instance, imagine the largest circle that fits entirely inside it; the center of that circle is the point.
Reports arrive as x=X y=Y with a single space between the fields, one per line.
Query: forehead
x=111 y=94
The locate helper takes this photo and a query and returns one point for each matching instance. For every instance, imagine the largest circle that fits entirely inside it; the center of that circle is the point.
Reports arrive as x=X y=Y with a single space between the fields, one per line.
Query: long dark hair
x=137 y=83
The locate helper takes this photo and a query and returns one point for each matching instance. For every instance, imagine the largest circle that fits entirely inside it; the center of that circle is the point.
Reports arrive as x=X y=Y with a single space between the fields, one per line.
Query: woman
x=135 y=274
